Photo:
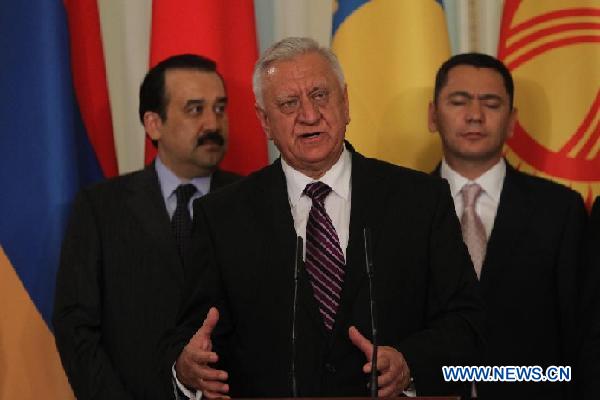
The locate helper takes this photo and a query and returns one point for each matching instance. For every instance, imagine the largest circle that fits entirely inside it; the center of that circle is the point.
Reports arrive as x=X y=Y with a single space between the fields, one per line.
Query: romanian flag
x=225 y=31
x=56 y=136
x=390 y=51
x=553 y=51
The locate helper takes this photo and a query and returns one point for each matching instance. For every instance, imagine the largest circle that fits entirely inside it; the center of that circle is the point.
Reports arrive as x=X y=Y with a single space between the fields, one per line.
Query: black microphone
x=297 y=264
x=370 y=276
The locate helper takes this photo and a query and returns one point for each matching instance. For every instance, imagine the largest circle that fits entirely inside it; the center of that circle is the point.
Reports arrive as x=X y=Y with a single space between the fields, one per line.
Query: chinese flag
x=223 y=30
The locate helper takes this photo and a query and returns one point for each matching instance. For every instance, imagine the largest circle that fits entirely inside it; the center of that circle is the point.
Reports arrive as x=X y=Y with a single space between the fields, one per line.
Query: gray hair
x=286 y=49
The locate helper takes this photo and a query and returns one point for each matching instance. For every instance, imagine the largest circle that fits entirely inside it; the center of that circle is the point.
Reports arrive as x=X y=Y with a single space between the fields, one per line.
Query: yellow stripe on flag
x=390 y=51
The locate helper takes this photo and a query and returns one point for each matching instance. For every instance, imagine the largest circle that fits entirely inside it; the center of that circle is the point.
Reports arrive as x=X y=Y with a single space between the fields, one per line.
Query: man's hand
x=192 y=367
x=394 y=372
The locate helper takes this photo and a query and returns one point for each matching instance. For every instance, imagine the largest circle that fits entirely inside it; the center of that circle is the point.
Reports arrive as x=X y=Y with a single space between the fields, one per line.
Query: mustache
x=211 y=136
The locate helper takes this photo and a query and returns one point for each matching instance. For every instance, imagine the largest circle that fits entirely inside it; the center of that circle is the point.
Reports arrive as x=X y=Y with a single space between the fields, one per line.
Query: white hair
x=286 y=49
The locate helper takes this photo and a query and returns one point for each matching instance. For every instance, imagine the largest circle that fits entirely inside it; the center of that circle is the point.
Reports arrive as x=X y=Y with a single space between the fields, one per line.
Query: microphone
x=297 y=264
x=370 y=276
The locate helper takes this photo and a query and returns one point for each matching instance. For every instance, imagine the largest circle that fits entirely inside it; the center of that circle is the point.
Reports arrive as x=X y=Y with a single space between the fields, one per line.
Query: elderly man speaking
x=427 y=305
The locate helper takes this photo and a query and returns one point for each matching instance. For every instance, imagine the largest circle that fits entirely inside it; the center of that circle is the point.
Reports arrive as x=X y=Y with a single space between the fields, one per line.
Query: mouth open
x=310 y=135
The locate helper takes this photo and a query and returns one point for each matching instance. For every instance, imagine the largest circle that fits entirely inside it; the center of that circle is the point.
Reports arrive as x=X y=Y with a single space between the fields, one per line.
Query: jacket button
x=330 y=368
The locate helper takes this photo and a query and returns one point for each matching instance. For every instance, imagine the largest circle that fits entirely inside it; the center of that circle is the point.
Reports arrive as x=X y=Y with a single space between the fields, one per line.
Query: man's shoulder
x=542 y=189
x=393 y=172
x=121 y=183
x=223 y=178
x=240 y=186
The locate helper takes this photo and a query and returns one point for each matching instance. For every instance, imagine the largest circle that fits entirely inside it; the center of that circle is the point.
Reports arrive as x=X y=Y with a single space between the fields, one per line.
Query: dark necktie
x=324 y=257
x=181 y=223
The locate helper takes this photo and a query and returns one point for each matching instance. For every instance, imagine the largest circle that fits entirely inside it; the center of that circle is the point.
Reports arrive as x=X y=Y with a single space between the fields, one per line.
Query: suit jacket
x=119 y=287
x=529 y=283
x=427 y=302
x=589 y=354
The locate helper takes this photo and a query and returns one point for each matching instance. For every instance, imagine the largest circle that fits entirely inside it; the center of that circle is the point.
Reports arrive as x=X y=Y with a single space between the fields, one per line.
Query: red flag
x=223 y=30
x=552 y=49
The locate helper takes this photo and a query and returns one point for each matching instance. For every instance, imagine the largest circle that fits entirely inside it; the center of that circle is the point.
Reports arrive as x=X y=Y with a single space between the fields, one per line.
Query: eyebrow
x=485 y=96
x=194 y=102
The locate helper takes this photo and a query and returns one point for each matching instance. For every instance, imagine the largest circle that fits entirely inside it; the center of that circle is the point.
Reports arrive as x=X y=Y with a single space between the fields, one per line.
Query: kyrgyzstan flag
x=225 y=31
x=553 y=51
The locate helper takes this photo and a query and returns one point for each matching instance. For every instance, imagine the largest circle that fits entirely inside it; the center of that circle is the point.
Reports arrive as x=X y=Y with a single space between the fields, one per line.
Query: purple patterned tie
x=324 y=256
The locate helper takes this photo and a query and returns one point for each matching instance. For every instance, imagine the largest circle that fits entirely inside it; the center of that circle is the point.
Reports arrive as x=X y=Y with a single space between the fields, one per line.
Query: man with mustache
x=123 y=269
x=321 y=189
x=524 y=233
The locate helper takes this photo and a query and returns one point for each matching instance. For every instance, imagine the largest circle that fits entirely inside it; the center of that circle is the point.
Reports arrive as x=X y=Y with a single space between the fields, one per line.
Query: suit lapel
x=512 y=217
x=147 y=206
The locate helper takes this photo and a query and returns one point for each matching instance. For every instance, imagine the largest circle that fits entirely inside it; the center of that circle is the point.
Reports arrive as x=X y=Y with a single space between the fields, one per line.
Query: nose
x=211 y=121
x=309 y=112
x=475 y=111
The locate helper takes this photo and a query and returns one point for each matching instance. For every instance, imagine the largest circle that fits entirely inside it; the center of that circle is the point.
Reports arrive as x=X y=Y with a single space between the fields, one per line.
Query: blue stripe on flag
x=46 y=155
x=345 y=8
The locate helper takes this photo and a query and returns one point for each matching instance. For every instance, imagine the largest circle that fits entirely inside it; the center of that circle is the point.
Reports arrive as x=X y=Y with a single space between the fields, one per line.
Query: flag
x=390 y=51
x=56 y=137
x=223 y=30
x=552 y=49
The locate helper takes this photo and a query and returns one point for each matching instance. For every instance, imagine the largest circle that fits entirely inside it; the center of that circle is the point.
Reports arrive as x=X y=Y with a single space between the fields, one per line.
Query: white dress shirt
x=491 y=182
x=337 y=203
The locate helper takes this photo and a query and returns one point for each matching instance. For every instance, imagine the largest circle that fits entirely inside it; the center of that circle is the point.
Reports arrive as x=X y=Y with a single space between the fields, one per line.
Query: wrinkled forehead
x=303 y=72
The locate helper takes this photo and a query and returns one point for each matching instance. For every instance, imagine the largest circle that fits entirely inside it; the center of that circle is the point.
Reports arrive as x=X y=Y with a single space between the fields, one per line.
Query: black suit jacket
x=427 y=303
x=119 y=288
x=529 y=282
x=589 y=355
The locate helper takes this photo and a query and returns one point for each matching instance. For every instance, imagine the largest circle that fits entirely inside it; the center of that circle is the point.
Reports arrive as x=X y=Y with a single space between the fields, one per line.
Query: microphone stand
x=297 y=263
x=371 y=275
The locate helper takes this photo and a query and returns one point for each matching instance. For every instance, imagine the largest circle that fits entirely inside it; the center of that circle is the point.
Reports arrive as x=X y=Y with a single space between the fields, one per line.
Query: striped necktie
x=324 y=257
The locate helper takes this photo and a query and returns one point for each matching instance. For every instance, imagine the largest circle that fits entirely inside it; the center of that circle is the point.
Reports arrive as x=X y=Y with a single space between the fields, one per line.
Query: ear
x=346 y=105
x=432 y=118
x=152 y=125
x=264 y=120
x=511 y=122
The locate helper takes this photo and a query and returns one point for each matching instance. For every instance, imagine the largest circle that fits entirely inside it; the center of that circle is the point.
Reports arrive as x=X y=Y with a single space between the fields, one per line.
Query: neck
x=316 y=171
x=471 y=169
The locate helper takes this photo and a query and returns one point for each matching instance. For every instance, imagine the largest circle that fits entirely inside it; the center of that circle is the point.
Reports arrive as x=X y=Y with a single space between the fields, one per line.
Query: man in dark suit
x=427 y=305
x=121 y=277
x=524 y=233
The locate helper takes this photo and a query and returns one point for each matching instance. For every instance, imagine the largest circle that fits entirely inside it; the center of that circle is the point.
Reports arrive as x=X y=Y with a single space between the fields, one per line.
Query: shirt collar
x=491 y=181
x=337 y=177
x=169 y=181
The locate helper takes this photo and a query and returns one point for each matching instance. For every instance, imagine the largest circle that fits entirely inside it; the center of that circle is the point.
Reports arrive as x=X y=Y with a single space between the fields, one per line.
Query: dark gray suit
x=119 y=287
x=529 y=283
x=427 y=303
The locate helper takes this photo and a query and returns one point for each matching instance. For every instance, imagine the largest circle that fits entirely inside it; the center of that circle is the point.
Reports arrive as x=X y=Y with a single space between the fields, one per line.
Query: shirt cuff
x=195 y=395
x=410 y=391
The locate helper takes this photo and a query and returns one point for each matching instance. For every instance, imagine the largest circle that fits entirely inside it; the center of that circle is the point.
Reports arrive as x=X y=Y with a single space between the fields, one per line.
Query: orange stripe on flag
x=30 y=367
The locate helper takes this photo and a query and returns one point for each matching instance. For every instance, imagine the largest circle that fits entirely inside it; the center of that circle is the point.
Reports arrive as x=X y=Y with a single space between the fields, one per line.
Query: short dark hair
x=152 y=91
x=477 y=60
